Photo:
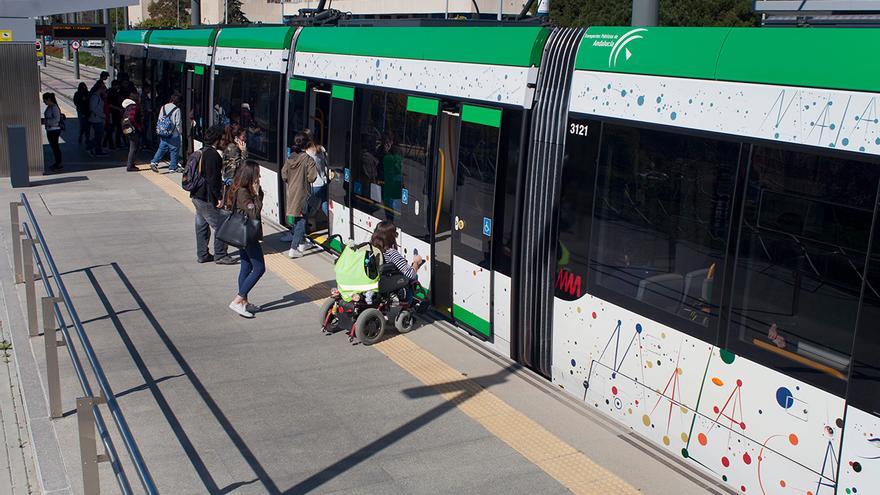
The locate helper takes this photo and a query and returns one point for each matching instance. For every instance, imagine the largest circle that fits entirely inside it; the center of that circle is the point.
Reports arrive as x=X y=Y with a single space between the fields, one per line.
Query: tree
x=234 y=13
x=167 y=13
x=672 y=12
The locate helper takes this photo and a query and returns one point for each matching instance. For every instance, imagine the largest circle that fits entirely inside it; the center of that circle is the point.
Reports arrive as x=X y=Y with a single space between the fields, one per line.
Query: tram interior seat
x=696 y=288
x=662 y=291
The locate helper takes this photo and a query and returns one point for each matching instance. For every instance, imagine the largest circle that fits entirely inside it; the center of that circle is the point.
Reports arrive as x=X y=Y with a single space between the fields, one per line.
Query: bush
x=84 y=58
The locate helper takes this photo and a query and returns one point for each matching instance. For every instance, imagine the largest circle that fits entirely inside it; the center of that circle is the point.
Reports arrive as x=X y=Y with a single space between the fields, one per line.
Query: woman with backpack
x=169 y=127
x=133 y=128
x=52 y=121
x=246 y=196
x=81 y=101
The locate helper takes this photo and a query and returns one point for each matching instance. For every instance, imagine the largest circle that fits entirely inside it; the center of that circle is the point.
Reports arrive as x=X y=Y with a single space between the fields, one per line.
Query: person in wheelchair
x=395 y=274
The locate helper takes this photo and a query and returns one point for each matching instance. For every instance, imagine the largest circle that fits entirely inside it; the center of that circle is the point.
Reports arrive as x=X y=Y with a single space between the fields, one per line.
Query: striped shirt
x=393 y=256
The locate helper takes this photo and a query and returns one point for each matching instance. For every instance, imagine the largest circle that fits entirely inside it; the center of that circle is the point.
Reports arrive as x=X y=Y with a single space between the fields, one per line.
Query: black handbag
x=238 y=230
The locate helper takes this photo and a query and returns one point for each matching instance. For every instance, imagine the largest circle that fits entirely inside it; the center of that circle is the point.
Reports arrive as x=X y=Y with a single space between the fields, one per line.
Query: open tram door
x=464 y=224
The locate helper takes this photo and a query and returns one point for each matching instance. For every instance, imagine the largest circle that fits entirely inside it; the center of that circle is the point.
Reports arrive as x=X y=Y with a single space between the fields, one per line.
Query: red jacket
x=133 y=113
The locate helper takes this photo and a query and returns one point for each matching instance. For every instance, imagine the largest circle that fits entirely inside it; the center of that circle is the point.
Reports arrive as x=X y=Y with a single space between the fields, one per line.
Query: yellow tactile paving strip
x=569 y=467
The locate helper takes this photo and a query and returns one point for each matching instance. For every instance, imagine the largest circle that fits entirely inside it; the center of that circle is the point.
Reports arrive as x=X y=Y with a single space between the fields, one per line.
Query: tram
x=677 y=226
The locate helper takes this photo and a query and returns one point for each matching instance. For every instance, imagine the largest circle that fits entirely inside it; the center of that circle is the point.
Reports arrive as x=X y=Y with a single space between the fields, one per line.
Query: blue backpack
x=164 y=125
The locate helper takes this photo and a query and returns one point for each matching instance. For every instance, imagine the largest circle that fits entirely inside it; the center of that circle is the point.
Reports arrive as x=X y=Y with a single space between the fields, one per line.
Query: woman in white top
x=52 y=122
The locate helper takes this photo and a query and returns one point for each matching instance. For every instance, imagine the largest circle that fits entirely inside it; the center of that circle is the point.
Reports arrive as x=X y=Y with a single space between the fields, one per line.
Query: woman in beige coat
x=299 y=172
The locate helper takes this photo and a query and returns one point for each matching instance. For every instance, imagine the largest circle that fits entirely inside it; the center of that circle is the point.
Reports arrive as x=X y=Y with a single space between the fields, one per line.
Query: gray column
x=195 y=17
x=108 y=62
x=646 y=13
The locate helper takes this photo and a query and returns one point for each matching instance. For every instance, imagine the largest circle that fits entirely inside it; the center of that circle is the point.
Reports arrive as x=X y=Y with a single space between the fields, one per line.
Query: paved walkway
x=219 y=404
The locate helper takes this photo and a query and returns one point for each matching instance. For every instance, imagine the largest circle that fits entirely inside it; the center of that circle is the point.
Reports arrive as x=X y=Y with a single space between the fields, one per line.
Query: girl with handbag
x=245 y=197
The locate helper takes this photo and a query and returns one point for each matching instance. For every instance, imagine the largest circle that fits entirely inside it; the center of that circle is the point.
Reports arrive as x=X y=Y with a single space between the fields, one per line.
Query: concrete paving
x=219 y=404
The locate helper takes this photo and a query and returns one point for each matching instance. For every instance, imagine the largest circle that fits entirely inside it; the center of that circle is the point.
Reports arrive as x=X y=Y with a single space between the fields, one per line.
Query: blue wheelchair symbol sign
x=347 y=175
x=404 y=196
x=357 y=187
x=487 y=227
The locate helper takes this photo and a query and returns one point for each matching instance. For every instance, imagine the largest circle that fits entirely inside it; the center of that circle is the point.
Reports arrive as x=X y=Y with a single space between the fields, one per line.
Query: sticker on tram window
x=578 y=129
x=404 y=196
x=487 y=227
x=347 y=174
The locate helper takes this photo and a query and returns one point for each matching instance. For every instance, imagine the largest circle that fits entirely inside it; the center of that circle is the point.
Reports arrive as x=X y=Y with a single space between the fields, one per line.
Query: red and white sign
x=39 y=45
x=75 y=44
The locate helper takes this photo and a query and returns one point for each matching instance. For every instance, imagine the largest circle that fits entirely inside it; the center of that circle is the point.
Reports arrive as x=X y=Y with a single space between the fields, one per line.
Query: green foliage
x=168 y=13
x=672 y=12
x=236 y=16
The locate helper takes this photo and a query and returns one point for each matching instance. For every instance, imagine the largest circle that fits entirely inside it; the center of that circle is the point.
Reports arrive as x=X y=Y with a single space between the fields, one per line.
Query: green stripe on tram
x=513 y=46
x=295 y=84
x=269 y=38
x=481 y=115
x=199 y=70
x=478 y=324
x=134 y=36
x=183 y=37
x=427 y=106
x=343 y=92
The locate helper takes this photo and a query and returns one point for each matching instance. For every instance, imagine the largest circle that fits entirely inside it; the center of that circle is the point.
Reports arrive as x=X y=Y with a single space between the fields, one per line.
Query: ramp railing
x=30 y=251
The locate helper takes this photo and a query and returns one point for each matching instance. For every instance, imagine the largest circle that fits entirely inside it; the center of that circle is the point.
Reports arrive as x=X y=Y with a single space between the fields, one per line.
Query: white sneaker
x=241 y=310
x=294 y=253
x=302 y=248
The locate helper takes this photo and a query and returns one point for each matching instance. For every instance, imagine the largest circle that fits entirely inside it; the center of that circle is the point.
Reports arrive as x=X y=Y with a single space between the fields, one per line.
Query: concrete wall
x=19 y=58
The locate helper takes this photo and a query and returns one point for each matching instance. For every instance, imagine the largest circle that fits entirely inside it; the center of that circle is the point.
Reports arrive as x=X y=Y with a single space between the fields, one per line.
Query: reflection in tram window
x=661 y=220
x=799 y=270
x=865 y=376
x=251 y=99
x=475 y=189
x=377 y=178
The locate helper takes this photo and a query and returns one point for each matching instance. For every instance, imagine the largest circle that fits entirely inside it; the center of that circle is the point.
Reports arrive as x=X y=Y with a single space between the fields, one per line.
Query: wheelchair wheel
x=404 y=322
x=329 y=321
x=370 y=326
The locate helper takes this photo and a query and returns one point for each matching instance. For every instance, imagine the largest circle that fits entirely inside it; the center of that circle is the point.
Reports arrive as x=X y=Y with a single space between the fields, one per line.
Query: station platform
x=220 y=404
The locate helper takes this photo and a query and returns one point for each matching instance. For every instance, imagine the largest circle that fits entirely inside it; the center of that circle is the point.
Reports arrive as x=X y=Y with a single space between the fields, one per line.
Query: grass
x=84 y=58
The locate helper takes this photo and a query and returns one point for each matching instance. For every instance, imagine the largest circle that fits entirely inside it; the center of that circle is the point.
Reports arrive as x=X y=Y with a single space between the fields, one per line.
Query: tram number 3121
x=578 y=129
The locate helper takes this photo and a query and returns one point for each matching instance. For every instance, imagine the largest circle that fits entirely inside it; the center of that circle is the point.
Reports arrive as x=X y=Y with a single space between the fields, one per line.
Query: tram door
x=444 y=192
x=339 y=138
x=473 y=223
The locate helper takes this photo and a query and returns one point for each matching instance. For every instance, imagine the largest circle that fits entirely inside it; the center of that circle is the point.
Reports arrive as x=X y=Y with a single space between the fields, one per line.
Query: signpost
x=75 y=44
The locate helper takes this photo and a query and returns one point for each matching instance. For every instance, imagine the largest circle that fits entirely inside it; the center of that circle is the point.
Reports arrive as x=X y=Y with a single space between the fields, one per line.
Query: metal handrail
x=107 y=393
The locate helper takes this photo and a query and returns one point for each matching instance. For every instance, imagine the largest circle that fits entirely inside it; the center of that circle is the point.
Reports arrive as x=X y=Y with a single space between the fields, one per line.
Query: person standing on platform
x=207 y=200
x=114 y=102
x=102 y=80
x=318 y=197
x=169 y=127
x=246 y=196
x=52 y=122
x=133 y=128
x=299 y=172
x=96 y=119
x=81 y=102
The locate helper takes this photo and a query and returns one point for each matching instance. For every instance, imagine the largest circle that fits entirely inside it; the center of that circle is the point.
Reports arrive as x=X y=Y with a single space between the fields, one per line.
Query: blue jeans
x=167 y=144
x=97 y=137
x=252 y=268
x=298 y=229
x=318 y=198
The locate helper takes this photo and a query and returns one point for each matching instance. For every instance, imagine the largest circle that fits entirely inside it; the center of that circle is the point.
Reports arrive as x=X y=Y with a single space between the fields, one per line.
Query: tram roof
x=133 y=36
x=835 y=58
x=269 y=37
x=182 y=37
x=513 y=46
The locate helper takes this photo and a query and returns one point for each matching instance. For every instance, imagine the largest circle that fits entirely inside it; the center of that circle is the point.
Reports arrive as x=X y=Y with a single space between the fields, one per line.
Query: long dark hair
x=384 y=236
x=82 y=88
x=245 y=176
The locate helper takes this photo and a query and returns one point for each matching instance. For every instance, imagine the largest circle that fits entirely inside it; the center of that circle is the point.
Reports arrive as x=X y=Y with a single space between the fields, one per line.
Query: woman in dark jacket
x=81 y=101
x=245 y=195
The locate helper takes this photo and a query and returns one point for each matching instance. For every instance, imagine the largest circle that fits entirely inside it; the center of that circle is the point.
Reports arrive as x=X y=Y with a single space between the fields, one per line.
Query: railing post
x=88 y=446
x=16 y=240
x=30 y=293
x=51 y=344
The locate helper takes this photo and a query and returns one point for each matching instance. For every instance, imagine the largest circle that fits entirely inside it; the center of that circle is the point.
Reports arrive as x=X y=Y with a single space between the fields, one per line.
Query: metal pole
x=66 y=47
x=108 y=64
x=195 y=10
x=646 y=13
x=225 y=13
x=125 y=21
x=76 y=64
x=447 y=10
x=16 y=241
x=30 y=293
x=88 y=449
x=51 y=345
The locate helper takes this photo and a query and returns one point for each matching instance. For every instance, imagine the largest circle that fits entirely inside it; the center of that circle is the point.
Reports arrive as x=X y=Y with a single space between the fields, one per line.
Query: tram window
x=296 y=116
x=575 y=208
x=475 y=188
x=661 y=222
x=199 y=119
x=338 y=150
x=800 y=262
x=865 y=376
x=505 y=190
x=378 y=174
x=415 y=148
x=250 y=99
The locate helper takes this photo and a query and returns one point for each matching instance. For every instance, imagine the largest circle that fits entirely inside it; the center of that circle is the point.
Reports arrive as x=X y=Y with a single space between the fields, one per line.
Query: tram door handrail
x=30 y=251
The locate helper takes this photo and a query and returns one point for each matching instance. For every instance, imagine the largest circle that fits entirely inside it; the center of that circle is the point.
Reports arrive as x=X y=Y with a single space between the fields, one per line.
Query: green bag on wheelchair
x=357 y=270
